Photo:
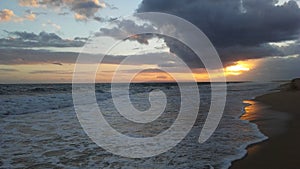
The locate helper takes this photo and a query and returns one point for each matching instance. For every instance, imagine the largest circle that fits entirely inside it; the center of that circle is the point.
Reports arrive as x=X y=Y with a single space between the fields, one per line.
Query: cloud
x=229 y=55
x=238 y=52
x=83 y=9
x=63 y=13
x=7 y=15
x=238 y=29
x=99 y=19
x=30 y=17
x=153 y=70
x=57 y=63
x=161 y=77
x=275 y=68
x=226 y=24
x=28 y=11
x=159 y=60
x=28 y=56
x=291 y=49
x=81 y=39
x=53 y=25
x=80 y=17
x=8 y=70
x=128 y=28
x=29 y=3
x=105 y=19
x=43 y=39
x=12 y=56
x=50 y=72
x=111 y=6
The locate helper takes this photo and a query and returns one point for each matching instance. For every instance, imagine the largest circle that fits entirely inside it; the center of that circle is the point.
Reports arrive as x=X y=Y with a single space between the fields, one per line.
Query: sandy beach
x=278 y=117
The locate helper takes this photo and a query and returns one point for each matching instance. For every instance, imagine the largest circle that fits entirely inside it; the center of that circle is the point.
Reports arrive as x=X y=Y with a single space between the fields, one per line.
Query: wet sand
x=278 y=117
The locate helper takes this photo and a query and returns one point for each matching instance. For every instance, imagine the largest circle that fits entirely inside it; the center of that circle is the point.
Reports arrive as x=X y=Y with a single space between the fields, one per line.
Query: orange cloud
x=7 y=15
x=30 y=17
x=80 y=17
x=239 y=68
x=83 y=9
x=30 y=3
x=153 y=77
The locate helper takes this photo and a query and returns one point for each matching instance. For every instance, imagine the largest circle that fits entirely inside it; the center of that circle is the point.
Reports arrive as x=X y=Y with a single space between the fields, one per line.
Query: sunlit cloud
x=53 y=25
x=238 y=68
x=80 y=17
x=7 y=15
x=281 y=2
x=83 y=9
x=29 y=3
x=43 y=39
x=283 y=44
x=30 y=17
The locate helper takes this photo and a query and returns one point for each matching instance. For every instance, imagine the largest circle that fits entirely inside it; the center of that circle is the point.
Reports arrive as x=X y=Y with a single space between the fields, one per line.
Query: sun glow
x=239 y=68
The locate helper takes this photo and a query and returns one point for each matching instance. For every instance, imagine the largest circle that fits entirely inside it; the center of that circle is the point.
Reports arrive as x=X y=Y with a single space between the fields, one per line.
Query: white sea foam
x=41 y=130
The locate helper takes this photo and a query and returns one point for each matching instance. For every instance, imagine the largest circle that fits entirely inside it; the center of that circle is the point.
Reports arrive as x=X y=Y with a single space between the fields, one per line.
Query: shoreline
x=277 y=116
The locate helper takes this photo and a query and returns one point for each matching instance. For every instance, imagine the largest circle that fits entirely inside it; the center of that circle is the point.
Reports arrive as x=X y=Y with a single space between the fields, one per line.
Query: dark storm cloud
x=235 y=53
x=239 y=29
x=291 y=49
x=235 y=22
x=278 y=68
x=228 y=54
x=43 y=39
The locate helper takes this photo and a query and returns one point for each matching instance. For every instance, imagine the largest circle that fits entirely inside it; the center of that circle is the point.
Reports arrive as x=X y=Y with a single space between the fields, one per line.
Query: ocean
x=39 y=128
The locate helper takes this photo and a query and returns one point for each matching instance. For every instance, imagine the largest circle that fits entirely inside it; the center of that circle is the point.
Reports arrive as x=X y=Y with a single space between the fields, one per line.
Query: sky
x=40 y=40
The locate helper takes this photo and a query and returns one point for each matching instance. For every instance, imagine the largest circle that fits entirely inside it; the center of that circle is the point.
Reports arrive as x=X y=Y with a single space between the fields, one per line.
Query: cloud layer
x=43 y=39
x=83 y=9
x=239 y=29
x=9 y=15
x=235 y=22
